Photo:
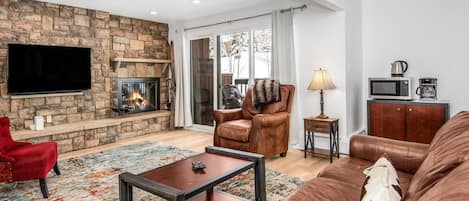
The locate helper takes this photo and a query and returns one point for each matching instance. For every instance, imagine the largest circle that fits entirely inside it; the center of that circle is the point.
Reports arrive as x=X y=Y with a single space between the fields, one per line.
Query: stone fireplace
x=137 y=95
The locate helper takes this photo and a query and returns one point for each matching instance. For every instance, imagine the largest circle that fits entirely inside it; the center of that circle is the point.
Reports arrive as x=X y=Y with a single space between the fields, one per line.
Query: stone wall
x=33 y=22
x=88 y=138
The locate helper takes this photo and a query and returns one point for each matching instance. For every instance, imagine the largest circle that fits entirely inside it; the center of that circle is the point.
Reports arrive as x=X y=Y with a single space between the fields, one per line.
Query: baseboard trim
x=201 y=128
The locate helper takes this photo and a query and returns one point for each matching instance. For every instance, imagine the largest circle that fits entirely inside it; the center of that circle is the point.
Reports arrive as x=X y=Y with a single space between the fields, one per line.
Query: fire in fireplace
x=138 y=94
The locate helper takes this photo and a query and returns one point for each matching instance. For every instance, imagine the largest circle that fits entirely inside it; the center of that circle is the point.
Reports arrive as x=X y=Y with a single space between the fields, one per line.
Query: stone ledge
x=46 y=95
x=85 y=125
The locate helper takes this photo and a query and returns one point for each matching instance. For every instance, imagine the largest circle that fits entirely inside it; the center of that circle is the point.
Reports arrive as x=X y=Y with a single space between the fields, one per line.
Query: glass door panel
x=202 y=92
x=233 y=65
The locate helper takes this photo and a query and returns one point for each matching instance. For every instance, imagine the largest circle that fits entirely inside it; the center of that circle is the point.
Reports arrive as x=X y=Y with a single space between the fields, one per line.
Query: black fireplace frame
x=121 y=81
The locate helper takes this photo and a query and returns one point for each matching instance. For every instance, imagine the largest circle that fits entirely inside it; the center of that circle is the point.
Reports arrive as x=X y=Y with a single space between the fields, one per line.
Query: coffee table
x=177 y=181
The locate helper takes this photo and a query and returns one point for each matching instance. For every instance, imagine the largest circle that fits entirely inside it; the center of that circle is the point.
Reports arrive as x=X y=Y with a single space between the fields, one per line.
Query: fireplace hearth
x=138 y=95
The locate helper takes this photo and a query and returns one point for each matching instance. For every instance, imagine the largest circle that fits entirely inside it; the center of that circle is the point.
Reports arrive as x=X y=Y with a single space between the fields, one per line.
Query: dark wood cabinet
x=414 y=121
x=388 y=120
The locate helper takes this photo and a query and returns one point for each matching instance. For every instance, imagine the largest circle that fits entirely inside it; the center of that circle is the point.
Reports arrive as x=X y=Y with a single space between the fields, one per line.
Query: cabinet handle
x=398 y=109
x=410 y=109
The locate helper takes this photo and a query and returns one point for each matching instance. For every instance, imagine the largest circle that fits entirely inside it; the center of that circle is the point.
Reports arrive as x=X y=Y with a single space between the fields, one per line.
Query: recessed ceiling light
x=195 y=1
x=154 y=13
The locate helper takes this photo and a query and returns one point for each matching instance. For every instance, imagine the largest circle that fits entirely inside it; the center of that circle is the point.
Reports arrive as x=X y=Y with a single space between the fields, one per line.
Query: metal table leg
x=260 y=180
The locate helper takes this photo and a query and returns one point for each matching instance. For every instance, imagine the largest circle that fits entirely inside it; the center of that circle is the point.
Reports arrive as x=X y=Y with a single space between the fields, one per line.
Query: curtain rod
x=247 y=18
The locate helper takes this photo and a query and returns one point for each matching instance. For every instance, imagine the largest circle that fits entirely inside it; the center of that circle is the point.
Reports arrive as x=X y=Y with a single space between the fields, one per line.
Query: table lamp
x=321 y=81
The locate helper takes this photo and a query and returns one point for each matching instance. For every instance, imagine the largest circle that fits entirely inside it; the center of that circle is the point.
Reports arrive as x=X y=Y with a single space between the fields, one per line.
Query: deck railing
x=242 y=84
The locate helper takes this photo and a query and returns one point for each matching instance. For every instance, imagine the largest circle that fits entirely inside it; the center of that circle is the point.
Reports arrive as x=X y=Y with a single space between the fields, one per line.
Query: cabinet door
x=387 y=120
x=423 y=121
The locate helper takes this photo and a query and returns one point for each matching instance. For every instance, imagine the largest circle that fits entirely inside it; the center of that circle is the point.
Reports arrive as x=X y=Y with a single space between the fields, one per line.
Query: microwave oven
x=393 y=88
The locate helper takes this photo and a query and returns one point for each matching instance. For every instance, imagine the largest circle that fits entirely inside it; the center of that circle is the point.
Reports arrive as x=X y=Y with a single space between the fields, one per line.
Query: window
x=262 y=53
x=244 y=57
x=234 y=54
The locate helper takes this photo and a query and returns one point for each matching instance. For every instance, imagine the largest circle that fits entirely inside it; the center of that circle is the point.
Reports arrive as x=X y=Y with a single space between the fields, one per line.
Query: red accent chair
x=21 y=161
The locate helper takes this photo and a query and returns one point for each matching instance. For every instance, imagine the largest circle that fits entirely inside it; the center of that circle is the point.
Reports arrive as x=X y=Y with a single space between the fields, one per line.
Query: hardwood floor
x=294 y=164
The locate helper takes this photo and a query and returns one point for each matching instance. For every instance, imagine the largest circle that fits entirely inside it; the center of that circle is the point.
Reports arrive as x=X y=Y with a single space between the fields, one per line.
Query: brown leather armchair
x=264 y=131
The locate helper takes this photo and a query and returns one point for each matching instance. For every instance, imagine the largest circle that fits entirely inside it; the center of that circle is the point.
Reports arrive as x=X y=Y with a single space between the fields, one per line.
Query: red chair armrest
x=5 y=158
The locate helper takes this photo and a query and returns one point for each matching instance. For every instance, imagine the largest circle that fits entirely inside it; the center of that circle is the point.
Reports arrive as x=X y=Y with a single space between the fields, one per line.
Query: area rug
x=95 y=176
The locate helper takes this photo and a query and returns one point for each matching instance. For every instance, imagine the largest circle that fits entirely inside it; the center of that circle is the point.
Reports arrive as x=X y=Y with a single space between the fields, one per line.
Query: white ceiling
x=168 y=10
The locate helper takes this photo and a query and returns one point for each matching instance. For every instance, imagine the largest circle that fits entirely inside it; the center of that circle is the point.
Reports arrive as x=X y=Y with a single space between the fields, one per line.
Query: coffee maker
x=427 y=88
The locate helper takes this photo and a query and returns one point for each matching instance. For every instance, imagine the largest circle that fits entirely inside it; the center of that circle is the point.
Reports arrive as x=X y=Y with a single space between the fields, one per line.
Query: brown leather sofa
x=248 y=129
x=439 y=171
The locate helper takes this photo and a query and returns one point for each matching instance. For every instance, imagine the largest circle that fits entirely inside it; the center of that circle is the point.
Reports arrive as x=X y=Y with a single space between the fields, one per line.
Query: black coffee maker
x=427 y=88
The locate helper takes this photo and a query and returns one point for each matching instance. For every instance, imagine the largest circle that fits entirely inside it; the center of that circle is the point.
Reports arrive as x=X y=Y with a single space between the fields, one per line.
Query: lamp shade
x=321 y=80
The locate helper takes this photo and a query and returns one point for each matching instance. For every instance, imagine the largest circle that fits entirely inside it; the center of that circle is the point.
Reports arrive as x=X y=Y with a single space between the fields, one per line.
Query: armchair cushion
x=33 y=161
x=237 y=130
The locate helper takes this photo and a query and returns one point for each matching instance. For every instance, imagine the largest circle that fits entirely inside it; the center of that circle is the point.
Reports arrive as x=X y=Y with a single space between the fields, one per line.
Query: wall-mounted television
x=39 y=69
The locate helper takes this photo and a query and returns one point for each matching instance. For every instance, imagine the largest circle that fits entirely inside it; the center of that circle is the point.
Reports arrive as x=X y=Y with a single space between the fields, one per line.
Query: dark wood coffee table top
x=180 y=175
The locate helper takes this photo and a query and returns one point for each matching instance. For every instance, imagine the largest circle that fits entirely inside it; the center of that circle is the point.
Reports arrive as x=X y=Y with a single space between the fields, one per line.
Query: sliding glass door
x=221 y=68
x=202 y=74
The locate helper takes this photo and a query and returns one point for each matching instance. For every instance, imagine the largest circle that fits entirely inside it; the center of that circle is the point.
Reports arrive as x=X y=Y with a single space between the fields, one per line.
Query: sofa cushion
x=325 y=189
x=455 y=126
x=448 y=150
x=343 y=168
x=237 y=130
x=453 y=187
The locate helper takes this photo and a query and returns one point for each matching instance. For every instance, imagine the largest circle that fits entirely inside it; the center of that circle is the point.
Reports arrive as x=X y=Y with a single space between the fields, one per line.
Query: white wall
x=432 y=35
x=320 y=43
x=237 y=14
x=354 y=68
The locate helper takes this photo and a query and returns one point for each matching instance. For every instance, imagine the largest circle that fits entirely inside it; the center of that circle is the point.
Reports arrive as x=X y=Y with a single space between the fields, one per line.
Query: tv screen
x=35 y=69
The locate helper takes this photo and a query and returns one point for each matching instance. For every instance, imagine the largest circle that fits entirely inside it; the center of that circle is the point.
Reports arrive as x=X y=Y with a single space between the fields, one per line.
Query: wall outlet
x=49 y=119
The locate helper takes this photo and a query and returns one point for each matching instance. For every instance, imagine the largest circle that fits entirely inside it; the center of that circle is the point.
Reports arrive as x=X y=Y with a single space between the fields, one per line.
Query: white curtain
x=182 y=116
x=283 y=63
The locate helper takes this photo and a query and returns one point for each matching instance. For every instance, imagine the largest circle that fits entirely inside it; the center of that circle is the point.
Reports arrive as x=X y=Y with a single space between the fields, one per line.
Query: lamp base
x=322 y=116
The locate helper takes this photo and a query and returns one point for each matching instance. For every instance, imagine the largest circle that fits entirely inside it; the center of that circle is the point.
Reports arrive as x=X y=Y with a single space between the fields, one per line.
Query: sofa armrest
x=221 y=116
x=405 y=156
x=270 y=120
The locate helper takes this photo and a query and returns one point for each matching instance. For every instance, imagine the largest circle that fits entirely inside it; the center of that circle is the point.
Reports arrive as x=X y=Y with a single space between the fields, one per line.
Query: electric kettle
x=398 y=68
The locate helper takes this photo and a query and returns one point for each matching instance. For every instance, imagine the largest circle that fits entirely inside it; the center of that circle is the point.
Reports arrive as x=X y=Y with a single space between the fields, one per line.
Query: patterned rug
x=95 y=176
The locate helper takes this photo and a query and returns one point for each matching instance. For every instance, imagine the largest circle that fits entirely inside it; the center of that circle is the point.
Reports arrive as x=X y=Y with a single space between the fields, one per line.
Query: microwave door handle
x=398 y=88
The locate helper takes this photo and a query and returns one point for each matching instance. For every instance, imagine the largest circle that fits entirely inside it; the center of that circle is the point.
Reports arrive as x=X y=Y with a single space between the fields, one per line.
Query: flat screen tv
x=38 y=69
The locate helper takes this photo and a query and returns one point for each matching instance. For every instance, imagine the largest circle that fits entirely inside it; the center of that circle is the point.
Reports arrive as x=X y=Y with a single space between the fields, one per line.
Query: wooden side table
x=330 y=126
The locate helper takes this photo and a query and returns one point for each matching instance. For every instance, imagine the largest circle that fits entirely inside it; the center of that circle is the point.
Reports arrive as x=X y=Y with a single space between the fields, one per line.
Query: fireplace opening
x=138 y=95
